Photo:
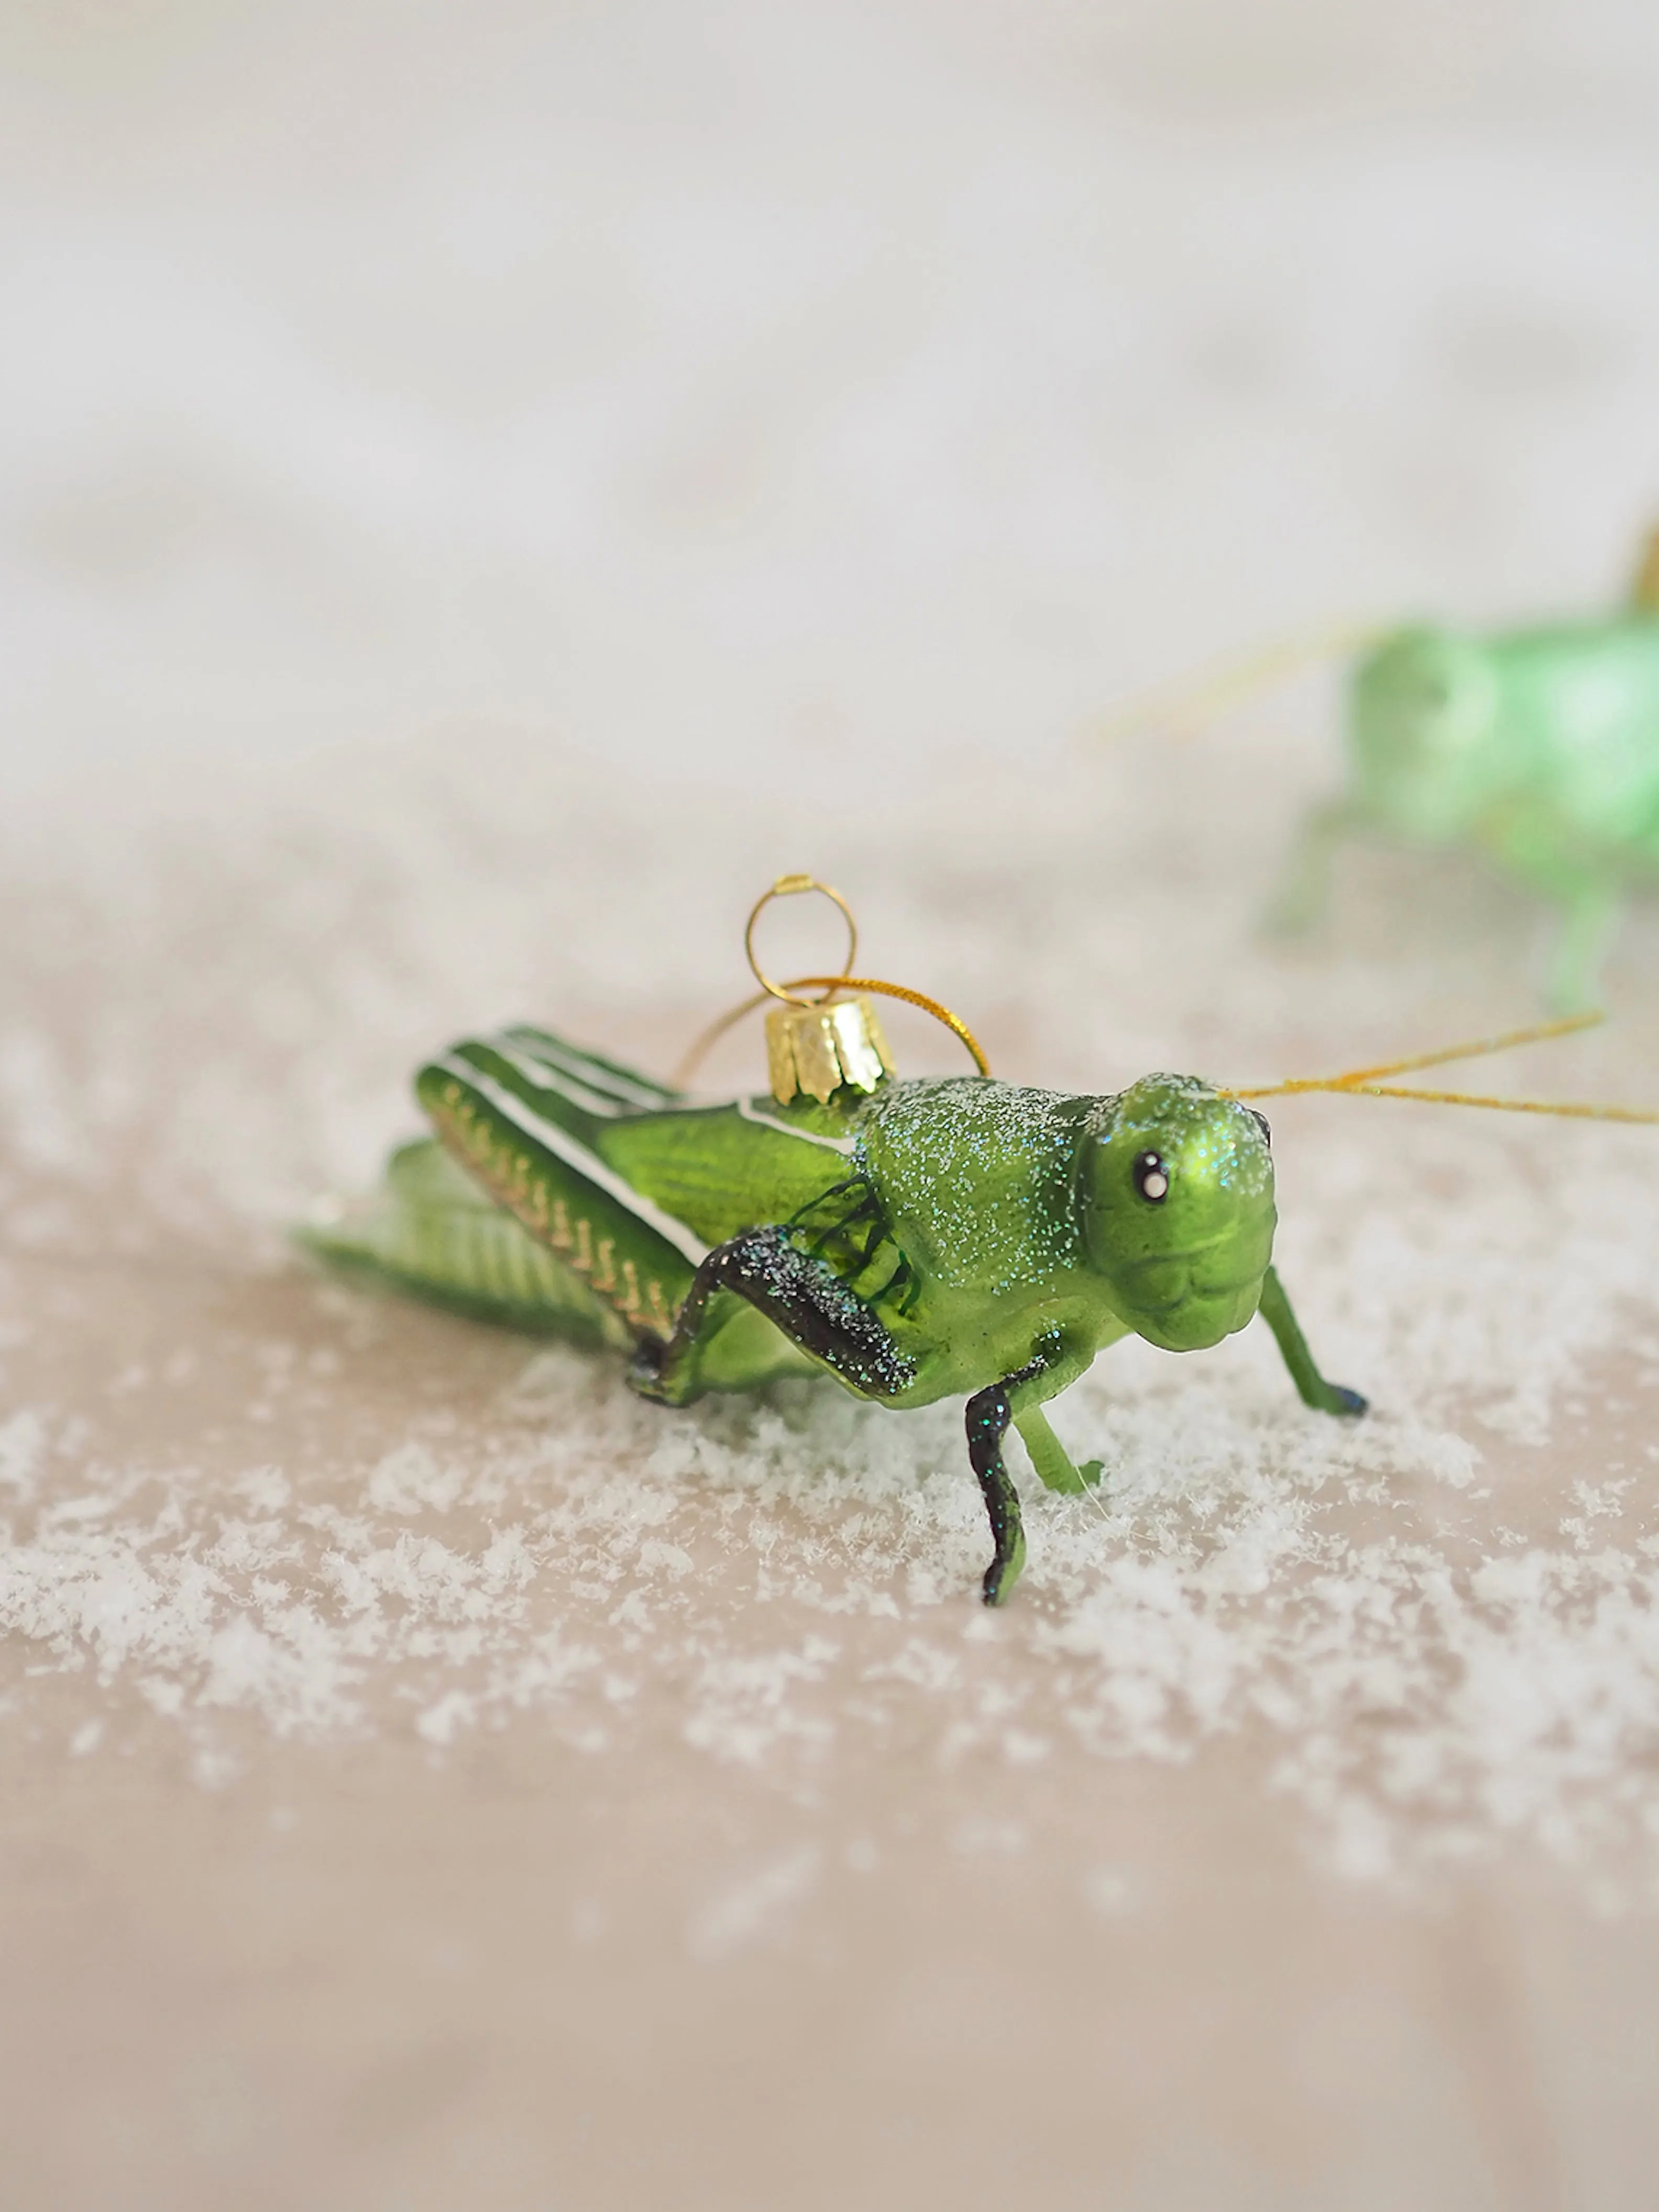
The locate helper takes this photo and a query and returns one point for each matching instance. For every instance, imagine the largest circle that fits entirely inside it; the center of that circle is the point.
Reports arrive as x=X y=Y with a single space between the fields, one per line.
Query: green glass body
x=1538 y=748
x=940 y=1238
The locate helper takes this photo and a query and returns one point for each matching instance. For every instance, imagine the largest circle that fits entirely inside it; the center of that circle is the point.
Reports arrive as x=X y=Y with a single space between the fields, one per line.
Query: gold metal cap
x=817 y=1049
x=817 y=1046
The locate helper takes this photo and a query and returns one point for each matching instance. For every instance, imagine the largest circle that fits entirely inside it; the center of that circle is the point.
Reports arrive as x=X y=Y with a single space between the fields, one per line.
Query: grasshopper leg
x=1303 y=889
x=1584 y=936
x=989 y=1413
x=799 y=1295
x=1324 y=1397
x=1050 y=1457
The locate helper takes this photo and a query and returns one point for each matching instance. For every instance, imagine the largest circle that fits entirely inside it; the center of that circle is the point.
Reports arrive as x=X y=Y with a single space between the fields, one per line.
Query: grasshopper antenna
x=1375 y=1083
x=1644 y=584
x=1180 y=713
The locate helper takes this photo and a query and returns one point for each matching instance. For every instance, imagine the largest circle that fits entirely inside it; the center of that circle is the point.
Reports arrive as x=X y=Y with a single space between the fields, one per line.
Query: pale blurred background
x=771 y=389
x=481 y=490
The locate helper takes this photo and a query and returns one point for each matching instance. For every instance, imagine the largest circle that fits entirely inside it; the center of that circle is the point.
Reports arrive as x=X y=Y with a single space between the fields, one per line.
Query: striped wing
x=570 y=1193
x=523 y=1114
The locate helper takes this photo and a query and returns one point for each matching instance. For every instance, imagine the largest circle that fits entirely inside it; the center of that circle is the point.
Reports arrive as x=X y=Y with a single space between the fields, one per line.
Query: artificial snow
x=1434 y=1630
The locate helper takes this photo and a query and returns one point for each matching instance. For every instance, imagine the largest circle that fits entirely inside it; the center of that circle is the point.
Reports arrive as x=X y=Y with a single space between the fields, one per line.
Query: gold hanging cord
x=1368 y=1083
x=826 y=986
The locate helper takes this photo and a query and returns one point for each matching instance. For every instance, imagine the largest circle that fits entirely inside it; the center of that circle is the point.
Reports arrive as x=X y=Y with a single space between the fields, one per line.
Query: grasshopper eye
x=1152 y=1178
x=1260 y=1120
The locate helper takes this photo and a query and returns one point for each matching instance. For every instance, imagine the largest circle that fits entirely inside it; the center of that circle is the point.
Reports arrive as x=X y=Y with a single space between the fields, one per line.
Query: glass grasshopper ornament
x=1538 y=747
x=914 y=1240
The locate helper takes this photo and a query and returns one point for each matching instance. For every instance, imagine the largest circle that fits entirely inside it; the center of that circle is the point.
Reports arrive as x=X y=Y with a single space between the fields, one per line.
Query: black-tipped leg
x=1324 y=1397
x=988 y=1414
x=645 y=1371
x=810 y=1303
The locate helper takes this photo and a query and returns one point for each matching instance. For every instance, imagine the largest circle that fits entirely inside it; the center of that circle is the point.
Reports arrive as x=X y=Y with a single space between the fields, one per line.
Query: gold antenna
x=1644 y=586
x=1369 y=1082
x=1181 y=714
x=815 y=1045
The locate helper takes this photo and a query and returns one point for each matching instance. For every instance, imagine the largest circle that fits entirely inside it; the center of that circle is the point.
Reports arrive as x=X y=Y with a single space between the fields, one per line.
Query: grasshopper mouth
x=1191 y=1293
x=1187 y=1299
x=1189 y=1283
x=1200 y=1318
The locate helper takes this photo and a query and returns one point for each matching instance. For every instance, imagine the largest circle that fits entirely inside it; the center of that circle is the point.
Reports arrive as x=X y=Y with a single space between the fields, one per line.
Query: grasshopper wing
x=523 y=1114
x=430 y=1230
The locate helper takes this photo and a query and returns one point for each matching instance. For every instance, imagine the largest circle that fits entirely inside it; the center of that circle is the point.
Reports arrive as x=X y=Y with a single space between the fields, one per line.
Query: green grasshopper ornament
x=1538 y=747
x=913 y=1240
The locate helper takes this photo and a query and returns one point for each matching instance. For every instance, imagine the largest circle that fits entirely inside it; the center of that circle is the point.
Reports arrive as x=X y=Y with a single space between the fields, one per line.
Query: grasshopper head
x=1177 y=1201
x=1423 y=732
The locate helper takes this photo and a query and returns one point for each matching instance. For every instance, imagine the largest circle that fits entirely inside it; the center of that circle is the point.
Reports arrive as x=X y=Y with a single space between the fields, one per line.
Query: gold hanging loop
x=788 y=887
x=814 y=1045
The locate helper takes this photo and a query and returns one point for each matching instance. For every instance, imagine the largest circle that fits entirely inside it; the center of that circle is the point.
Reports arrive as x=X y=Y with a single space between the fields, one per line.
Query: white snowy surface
x=1436 y=1624
x=483 y=492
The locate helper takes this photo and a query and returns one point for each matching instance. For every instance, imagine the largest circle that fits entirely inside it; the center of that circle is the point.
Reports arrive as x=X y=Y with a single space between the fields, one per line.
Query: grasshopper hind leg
x=803 y=1300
